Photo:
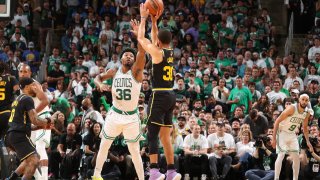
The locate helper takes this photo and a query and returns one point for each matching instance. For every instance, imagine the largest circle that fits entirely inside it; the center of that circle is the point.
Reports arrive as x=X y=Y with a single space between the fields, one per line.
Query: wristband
x=143 y=17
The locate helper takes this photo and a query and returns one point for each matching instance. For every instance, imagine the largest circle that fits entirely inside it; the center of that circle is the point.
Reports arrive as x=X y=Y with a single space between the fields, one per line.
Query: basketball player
x=8 y=86
x=163 y=98
x=284 y=134
x=23 y=113
x=123 y=116
x=41 y=137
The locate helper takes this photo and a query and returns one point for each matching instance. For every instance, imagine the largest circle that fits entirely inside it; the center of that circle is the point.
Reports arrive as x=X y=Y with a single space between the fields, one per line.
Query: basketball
x=154 y=6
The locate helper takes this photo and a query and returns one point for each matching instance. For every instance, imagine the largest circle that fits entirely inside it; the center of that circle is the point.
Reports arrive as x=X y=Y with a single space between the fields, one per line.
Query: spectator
x=195 y=150
x=220 y=92
x=258 y=123
x=46 y=16
x=221 y=146
x=32 y=57
x=55 y=75
x=91 y=143
x=240 y=96
x=82 y=89
x=68 y=154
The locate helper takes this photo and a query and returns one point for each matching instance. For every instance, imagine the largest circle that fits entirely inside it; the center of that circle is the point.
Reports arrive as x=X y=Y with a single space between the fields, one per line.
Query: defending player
x=41 y=137
x=284 y=134
x=23 y=113
x=163 y=98
x=123 y=116
x=8 y=86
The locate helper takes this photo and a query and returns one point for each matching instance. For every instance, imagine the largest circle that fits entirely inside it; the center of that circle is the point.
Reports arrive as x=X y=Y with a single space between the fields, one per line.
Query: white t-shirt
x=195 y=143
x=243 y=148
x=215 y=93
x=289 y=81
x=227 y=138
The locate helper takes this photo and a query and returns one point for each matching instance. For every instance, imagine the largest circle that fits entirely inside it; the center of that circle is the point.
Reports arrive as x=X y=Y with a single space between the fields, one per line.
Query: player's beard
x=128 y=65
x=303 y=106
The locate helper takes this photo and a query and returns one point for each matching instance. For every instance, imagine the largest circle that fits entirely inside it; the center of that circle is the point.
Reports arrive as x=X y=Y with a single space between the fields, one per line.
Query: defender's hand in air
x=135 y=27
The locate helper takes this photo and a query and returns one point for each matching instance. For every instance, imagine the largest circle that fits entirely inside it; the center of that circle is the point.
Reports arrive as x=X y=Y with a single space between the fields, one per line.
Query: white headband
x=304 y=95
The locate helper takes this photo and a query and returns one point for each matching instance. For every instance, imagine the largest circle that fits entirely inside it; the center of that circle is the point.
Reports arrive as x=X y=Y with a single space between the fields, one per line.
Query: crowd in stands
x=230 y=84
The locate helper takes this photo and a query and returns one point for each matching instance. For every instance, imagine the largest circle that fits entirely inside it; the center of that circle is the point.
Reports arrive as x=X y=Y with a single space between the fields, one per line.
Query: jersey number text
x=124 y=94
x=169 y=75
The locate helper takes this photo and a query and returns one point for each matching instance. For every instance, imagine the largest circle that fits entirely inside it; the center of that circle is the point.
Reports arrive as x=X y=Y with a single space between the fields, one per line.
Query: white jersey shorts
x=42 y=134
x=287 y=142
x=118 y=122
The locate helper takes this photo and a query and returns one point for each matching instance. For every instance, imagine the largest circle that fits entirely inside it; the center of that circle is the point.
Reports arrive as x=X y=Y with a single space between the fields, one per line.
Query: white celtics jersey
x=291 y=123
x=125 y=91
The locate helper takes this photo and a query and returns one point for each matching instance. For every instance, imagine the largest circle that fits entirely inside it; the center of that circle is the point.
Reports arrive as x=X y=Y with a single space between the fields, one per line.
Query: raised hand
x=135 y=27
x=144 y=12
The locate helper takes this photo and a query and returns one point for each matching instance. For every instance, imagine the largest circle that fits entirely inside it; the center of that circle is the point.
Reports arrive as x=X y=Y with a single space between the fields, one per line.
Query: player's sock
x=37 y=174
x=278 y=165
x=44 y=172
x=134 y=150
x=102 y=156
x=295 y=164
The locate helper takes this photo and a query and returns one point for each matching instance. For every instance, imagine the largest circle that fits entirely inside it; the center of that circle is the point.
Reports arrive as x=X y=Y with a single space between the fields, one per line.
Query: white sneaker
x=203 y=177
x=186 y=177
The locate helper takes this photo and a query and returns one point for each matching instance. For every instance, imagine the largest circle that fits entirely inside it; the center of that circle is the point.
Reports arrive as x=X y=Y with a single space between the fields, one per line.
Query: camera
x=261 y=139
x=313 y=142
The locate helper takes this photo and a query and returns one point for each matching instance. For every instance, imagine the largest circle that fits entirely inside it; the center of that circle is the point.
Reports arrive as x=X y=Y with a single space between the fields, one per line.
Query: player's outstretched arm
x=154 y=28
x=102 y=77
x=138 y=66
x=287 y=112
x=150 y=48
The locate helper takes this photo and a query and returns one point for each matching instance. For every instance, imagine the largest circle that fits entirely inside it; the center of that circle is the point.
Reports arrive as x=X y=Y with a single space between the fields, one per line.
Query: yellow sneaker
x=96 y=178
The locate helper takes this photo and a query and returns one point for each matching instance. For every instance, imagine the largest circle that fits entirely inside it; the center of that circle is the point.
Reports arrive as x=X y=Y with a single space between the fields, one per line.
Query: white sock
x=37 y=174
x=278 y=165
x=295 y=164
x=44 y=172
x=134 y=149
x=102 y=156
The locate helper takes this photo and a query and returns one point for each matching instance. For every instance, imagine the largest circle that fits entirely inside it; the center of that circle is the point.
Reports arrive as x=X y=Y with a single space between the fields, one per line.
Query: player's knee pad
x=153 y=132
x=41 y=150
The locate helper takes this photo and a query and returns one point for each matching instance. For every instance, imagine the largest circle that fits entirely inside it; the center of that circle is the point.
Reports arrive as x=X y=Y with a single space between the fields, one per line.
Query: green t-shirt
x=316 y=110
x=207 y=90
x=62 y=105
x=66 y=68
x=93 y=39
x=285 y=91
x=51 y=62
x=225 y=32
x=244 y=95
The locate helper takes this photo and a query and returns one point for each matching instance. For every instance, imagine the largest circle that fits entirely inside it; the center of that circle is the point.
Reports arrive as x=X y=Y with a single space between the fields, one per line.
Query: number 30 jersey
x=125 y=91
x=162 y=73
x=291 y=123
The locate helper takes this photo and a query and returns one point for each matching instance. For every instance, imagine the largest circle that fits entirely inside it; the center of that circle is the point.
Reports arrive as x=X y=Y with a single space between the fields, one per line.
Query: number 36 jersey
x=162 y=73
x=125 y=91
x=293 y=122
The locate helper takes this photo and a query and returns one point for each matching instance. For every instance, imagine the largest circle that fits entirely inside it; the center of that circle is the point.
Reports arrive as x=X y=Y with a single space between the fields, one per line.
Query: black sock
x=154 y=165
x=170 y=166
x=13 y=176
